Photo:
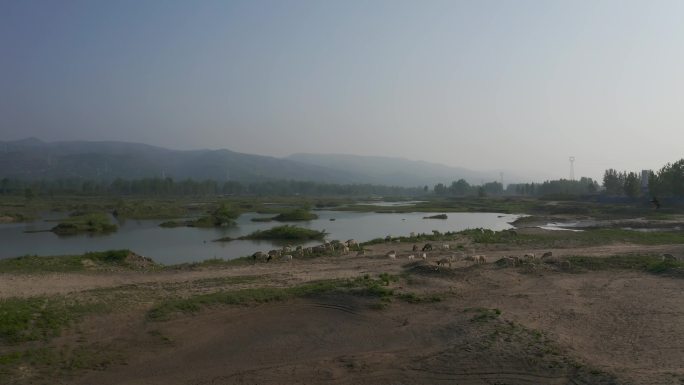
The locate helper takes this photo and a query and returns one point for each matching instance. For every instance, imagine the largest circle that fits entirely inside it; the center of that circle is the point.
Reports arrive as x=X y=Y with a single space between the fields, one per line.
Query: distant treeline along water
x=666 y=182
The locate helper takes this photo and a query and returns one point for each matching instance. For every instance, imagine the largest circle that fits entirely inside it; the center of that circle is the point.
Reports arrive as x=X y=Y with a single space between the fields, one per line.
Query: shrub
x=286 y=232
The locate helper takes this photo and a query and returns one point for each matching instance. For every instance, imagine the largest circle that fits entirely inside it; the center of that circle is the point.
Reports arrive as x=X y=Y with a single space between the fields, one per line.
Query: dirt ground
x=554 y=327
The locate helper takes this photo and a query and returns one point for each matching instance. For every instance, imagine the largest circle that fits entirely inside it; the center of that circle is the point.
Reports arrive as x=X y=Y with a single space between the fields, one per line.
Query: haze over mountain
x=400 y=171
x=483 y=85
x=34 y=159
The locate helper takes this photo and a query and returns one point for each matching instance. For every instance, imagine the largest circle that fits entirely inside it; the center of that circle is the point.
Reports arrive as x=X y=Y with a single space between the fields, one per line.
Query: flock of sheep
x=288 y=252
x=529 y=261
x=455 y=257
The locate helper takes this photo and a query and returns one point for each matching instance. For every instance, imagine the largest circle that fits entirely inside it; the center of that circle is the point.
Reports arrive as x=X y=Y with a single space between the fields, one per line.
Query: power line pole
x=572 y=168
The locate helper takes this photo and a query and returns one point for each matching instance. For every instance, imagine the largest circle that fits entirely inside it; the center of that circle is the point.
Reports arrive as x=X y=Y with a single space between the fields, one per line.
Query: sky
x=488 y=85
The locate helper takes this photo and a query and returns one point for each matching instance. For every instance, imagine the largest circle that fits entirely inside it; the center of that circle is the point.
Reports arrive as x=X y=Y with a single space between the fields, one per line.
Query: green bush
x=286 y=232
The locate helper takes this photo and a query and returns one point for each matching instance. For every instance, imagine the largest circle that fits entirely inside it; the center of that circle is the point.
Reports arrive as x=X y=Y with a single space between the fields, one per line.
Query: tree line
x=666 y=182
x=190 y=187
x=461 y=187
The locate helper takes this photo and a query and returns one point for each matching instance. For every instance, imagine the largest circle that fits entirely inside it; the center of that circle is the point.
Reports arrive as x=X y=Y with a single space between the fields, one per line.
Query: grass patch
x=649 y=263
x=286 y=232
x=74 y=263
x=483 y=314
x=211 y=263
x=362 y=286
x=562 y=239
x=39 y=318
x=533 y=348
x=149 y=209
x=414 y=298
x=295 y=215
x=238 y=297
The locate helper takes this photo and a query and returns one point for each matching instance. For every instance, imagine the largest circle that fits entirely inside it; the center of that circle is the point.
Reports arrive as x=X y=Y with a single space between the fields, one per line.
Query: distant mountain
x=34 y=159
x=399 y=171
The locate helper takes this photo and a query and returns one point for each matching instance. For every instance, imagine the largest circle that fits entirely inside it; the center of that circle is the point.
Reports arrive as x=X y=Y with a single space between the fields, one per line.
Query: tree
x=440 y=189
x=612 y=181
x=459 y=187
x=493 y=188
x=632 y=186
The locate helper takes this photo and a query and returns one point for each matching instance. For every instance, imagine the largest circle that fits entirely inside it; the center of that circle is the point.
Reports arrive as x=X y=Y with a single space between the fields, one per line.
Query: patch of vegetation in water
x=31 y=264
x=438 y=216
x=149 y=209
x=94 y=223
x=262 y=219
x=286 y=232
x=295 y=215
x=222 y=216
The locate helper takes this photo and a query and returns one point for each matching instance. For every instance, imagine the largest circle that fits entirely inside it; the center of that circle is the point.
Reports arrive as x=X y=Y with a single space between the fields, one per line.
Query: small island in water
x=438 y=216
x=281 y=232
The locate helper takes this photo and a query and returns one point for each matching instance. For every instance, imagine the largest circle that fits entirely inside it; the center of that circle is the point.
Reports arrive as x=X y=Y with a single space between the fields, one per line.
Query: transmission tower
x=572 y=168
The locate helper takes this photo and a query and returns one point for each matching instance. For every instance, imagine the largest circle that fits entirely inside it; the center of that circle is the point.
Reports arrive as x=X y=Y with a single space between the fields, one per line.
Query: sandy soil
x=555 y=327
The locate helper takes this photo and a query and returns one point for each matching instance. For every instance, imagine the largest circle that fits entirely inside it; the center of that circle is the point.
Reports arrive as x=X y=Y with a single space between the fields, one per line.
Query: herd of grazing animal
x=288 y=252
x=529 y=261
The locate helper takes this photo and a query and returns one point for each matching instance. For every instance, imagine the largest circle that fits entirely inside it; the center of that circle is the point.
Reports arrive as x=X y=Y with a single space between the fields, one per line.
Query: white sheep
x=287 y=257
x=410 y=257
x=445 y=246
x=424 y=256
x=392 y=254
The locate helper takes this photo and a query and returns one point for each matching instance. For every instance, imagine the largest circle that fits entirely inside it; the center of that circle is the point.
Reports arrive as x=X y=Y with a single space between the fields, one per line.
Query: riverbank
x=396 y=320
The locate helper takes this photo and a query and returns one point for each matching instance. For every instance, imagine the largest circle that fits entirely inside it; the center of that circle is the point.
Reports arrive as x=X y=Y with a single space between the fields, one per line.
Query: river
x=183 y=244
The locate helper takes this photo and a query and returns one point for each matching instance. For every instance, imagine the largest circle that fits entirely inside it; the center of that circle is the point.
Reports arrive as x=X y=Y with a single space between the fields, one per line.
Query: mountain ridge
x=34 y=159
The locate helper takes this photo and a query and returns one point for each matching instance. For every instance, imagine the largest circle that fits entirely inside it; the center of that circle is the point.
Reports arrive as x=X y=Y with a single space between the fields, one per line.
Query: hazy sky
x=516 y=85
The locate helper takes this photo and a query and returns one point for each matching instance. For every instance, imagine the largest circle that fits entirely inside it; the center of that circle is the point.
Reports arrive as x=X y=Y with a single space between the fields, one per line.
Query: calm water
x=170 y=246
